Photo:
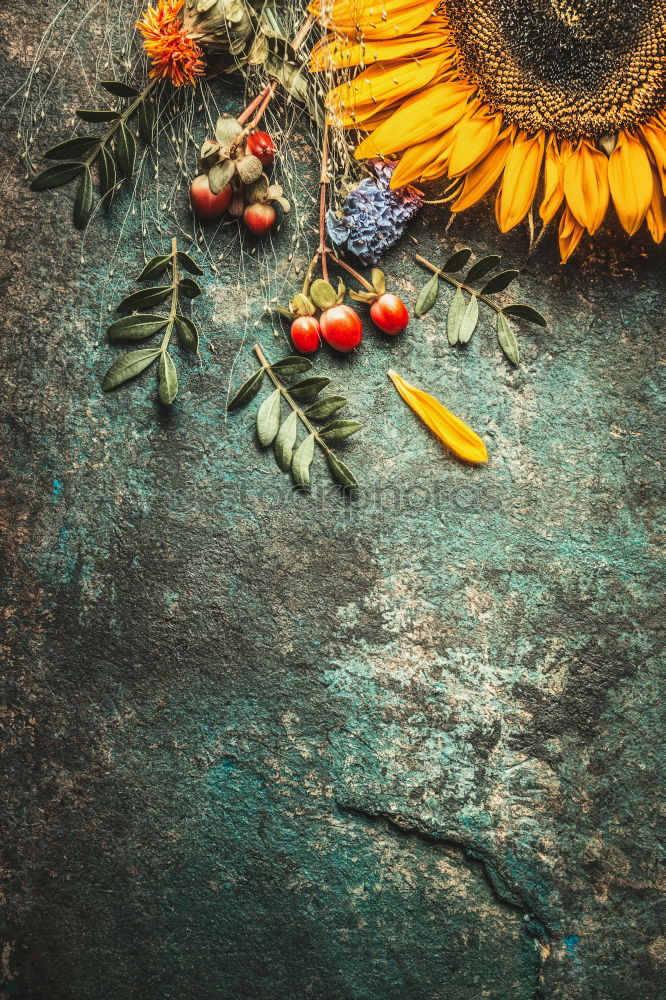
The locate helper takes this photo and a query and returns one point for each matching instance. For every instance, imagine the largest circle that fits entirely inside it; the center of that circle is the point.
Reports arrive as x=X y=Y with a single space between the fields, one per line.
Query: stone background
x=262 y=746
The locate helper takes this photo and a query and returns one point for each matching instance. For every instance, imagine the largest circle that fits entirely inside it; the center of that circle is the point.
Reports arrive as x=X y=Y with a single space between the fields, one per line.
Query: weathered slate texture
x=260 y=745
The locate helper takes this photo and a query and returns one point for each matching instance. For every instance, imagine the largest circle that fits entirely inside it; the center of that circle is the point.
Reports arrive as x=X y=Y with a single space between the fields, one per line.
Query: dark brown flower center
x=577 y=67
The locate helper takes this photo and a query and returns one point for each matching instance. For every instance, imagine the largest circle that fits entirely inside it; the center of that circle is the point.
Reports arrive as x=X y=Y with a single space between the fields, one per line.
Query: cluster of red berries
x=260 y=215
x=338 y=324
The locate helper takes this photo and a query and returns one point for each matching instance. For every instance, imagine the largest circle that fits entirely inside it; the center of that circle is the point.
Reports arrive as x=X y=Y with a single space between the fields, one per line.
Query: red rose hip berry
x=341 y=328
x=206 y=205
x=389 y=313
x=305 y=334
x=261 y=145
x=259 y=218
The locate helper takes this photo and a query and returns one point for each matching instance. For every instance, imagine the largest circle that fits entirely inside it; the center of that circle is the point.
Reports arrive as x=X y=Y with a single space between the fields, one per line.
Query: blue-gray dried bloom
x=373 y=216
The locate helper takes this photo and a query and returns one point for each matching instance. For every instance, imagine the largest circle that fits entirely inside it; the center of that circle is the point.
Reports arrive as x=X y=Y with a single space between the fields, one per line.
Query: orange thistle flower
x=170 y=49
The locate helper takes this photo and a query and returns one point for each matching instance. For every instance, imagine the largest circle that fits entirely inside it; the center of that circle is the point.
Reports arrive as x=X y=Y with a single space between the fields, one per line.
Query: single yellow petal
x=380 y=18
x=654 y=135
x=481 y=178
x=379 y=87
x=335 y=52
x=553 y=181
x=420 y=117
x=570 y=234
x=520 y=180
x=415 y=160
x=450 y=429
x=656 y=213
x=585 y=182
x=630 y=179
x=473 y=138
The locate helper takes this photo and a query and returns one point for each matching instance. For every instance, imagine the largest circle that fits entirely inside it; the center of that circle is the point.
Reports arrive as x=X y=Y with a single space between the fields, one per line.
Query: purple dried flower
x=373 y=216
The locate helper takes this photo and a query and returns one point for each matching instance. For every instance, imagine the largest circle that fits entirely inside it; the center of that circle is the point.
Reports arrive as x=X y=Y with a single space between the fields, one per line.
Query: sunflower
x=562 y=102
x=172 y=52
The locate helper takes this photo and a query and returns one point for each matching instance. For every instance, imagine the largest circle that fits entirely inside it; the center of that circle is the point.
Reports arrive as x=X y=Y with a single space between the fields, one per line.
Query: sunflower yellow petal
x=569 y=235
x=553 y=182
x=415 y=160
x=421 y=117
x=585 y=182
x=455 y=434
x=656 y=213
x=379 y=87
x=334 y=52
x=481 y=178
x=654 y=135
x=520 y=180
x=630 y=180
x=380 y=18
x=472 y=139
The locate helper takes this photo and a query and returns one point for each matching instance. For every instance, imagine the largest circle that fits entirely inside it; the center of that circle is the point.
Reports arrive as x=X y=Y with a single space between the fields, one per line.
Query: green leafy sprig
x=463 y=313
x=139 y=326
x=114 y=152
x=272 y=430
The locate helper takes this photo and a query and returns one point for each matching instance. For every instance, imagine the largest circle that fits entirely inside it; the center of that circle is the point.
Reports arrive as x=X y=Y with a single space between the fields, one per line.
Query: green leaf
x=220 y=174
x=285 y=440
x=186 y=261
x=457 y=260
x=168 y=378
x=507 y=339
x=227 y=129
x=340 y=472
x=126 y=150
x=145 y=299
x=188 y=335
x=119 y=89
x=83 y=200
x=527 y=312
x=146 y=120
x=337 y=430
x=154 y=267
x=136 y=327
x=323 y=294
x=78 y=146
x=427 y=296
x=292 y=365
x=455 y=316
x=247 y=391
x=189 y=288
x=88 y=115
x=325 y=407
x=481 y=267
x=107 y=179
x=308 y=388
x=268 y=419
x=469 y=320
x=127 y=367
x=500 y=281
x=302 y=460
x=55 y=176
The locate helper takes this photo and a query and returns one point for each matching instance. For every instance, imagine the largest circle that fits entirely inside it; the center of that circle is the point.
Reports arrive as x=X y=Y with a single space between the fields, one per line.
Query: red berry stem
x=253 y=105
x=350 y=270
x=323 y=193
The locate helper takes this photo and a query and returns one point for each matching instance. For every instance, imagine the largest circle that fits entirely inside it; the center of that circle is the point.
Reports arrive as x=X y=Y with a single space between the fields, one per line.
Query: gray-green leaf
x=78 y=146
x=527 y=312
x=337 y=430
x=144 y=299
x=136 y=327
x=302 y=460
x=154 y=267
x=340 y=472
x=285 y=440
x=268 y=419
x=227 y=129
x=107 y=179
x=119 y=89
x=126 y=150
x=83 y=200
x=482 y=267
x=247 y=391
x=145 y=121
x=469 y=320
x=89 y=115
x=54 y=176
x=457 y=260
x=292 y=365
x=127 y=367
x=500 y=281
x=168 y=378
x=325 y=407
x=220 y=175
x=189 y=288
x=507 y=339
x=427 y=296
x=455 y=316
x=188 y=335
x=186 y=261
x=308 y=388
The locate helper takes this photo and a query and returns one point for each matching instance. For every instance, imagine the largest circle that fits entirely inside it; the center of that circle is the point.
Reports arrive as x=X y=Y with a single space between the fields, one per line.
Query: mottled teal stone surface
x=263 y=746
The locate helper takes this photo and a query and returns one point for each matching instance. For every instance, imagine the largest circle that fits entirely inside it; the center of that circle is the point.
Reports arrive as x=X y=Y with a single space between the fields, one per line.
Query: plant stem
x=350 y=270
x=115 y=125
x=303 y=32
x=457 y=284
x=266 y=365
x=323 y=191
x=175 y=281
x=253 y=105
